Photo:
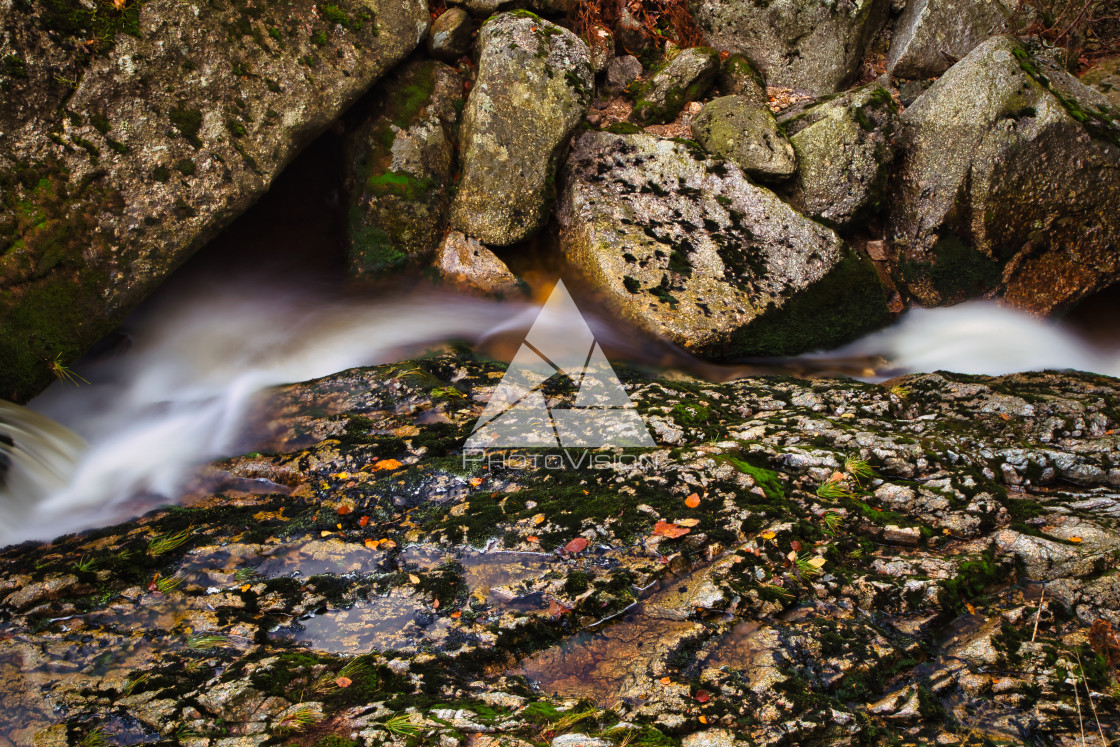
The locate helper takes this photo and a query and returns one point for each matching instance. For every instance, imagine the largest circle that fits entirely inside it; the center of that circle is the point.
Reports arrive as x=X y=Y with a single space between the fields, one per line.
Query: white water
x=177 y=397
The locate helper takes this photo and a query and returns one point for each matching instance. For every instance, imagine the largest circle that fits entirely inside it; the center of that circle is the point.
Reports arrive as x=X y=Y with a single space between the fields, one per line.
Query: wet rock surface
x=133 y=133
x=685 y=78
x=683 y=245
x=817 y=562
x=744 y=132
x=994 y=153
x=534 y=85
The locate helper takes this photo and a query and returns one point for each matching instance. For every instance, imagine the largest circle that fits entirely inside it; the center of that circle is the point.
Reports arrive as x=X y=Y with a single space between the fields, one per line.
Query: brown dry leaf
x=387 y=464
x=688 y=522
x=702 y=696
x=538 y=519
x=435 y=604
x=555 y=609
x=343 y=682
x=325 y=534
x=692 y=501
x=414 y=578
x=768 y=535
x=817 y=562
x=971 y=609
x=476 y=481
x=672 y=531
x=579 y=544
x=795 y=545
x=388 y=544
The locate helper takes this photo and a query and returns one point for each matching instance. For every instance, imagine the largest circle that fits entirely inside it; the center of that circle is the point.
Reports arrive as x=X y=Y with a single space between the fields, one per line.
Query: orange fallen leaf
x=971 y=609
x=343 y=510
x=476 y=481
x=1075 y=540
x=672 y=531
x=1005 y=416
x=387 y=464
x=703 y=719
x=371 y=544
x=343 y=682
x=435 y=604
x=702 y=696
x=768 y=535
x=579 y=544
x=363 y=521
x=555 y=609
x=246 y=588
x=388 y=544
x=531 y=538
x=666 y=680
x=325 y=534
x=692 y=501
x=456 y=614
x=538 y=519
x=414 y=578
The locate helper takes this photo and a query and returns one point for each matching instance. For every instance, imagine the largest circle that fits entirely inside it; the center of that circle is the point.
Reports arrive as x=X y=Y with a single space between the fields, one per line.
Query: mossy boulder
x=469 y=267
x=131 y=135
x=744 y=132
x=685 y=78
x=1009 y=185
x=1105 y=77
x=399 y=168
x=932 y=34
x=738 y=76
x=845 y=148
x=534 y=87
x=484 y=8
x=683 y=245
x=810 y=45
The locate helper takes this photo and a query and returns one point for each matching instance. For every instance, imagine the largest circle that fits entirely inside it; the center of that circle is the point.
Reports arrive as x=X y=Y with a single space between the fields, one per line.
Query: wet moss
x=954 y=270
x=188 y=121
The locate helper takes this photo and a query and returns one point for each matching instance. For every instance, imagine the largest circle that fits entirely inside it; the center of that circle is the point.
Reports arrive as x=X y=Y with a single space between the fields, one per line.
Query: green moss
x=99 y=122
x=631 y=284
x=624 y=128
x=100 y=22
x=355 y=22
x=188 y=121
x=13 y=66
x=185 y=166
x=161 y=174
x=848 y=302
x=319 y=37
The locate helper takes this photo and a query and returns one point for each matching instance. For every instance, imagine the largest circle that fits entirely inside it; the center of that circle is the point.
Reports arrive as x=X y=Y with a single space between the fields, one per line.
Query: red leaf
x=702 y=696
x=555 y=609
x=579 y=544
x=795 y=545
x=343 y=682
x=672 y=531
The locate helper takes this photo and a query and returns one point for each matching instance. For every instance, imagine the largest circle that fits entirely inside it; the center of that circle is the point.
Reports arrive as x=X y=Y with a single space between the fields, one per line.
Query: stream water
x=265 y=304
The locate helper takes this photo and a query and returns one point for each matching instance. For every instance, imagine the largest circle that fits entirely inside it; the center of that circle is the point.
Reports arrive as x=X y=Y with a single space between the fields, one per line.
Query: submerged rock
x=1009 y=184
x=399 y=168
x=744 y=132
x=130 y=136
x=685 y=78
x=931 y=35
x=534 y=86
x=814 y=45
x=683 y=245
x=845 y=150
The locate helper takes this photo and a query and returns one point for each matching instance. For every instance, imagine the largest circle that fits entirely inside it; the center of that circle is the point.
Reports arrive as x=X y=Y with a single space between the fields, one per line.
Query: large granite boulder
x=534 y=87
x=686 y=247
x=128 y=137
x=1105 y=77
x=931 y=35
x=1009 y=185
x=399 y=168
x=845 y=148
x=812 y=45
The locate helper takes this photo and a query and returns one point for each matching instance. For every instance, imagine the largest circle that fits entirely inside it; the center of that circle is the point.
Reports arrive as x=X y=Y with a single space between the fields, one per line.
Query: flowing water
x=177 y=397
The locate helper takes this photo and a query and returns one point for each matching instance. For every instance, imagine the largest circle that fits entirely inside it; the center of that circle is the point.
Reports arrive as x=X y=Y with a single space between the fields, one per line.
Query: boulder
x=845 y=149
x=744 y=132
x=128 y=137
x=399 y=165
x=739 y=77
x=686 y=247
x=452 y=35
x=620 y=73
x=810 y=45
x=484 y=8
x=534 y=86
x=468 y=266
x=931 y=35
x=685 y=78
x=1009 y=185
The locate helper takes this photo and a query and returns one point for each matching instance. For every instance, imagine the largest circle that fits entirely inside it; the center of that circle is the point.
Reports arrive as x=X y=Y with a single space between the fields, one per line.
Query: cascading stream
x=178 y=397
